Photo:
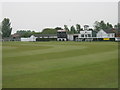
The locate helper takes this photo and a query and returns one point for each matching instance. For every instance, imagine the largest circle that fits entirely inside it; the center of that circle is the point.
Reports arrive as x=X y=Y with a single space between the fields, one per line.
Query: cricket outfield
x=60 y=64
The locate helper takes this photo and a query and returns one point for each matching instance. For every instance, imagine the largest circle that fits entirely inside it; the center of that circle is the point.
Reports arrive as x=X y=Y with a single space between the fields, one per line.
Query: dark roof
x=44 y=35
x=109 y=31
x=87 y=30
x=15 y=35
x=7 y=38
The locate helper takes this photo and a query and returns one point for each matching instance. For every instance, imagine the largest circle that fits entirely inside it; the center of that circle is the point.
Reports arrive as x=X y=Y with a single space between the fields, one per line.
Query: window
x=85 y=35
x=89 y=35
x=82 y=35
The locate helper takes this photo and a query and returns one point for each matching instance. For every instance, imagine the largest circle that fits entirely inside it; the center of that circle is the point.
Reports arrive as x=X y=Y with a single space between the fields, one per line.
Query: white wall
x=70 y=37
x=103 y=34
x=85 y=32
x=111 y=35
x=31 y=38
x=25 y=39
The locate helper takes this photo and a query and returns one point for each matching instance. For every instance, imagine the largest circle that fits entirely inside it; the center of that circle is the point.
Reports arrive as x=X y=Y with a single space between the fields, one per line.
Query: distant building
x=72 y=37
x=92 y=35
x=105 y=34
x=61 y=35
x=41 y=37
x=13 y=37
x=84 y=35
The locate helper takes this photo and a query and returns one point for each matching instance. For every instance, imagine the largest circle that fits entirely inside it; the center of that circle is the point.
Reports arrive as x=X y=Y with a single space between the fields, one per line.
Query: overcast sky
x=39 y=15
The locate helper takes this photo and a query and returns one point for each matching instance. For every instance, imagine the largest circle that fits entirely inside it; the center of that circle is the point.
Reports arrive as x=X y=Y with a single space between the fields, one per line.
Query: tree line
x=6 y=29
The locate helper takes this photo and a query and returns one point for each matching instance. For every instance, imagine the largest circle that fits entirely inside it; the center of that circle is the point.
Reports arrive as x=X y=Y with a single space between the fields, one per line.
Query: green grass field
x=60 y=65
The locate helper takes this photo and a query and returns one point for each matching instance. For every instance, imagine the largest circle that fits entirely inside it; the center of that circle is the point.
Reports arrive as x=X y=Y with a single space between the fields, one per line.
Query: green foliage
x=66 y=28
x=78 y=27
x=72 y=30
x=25 y=33
x=109 y=26
x=117 y=26
x=58 y=28
x=6 y=28
x=97 y=26
x=49 y=31
x=102 y=25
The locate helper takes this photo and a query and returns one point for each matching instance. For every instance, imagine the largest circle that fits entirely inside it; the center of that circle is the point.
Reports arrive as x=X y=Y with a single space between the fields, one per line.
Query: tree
x=78 y=27
x=109 y=26
x=49 y=31
x=58 y=28
x=25 y=33
x=97 y=26
x=6 y=28
x=66 y=28
x=117 y=26
x=102 y=25
x=72 y=30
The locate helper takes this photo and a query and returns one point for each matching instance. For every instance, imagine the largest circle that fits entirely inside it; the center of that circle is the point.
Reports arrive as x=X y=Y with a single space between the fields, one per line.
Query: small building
x=45 y=37
x=13 y=37
x=41 y=37
x=72 y=37
x=62 y=35
x=85 y=34
x=105 y=34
